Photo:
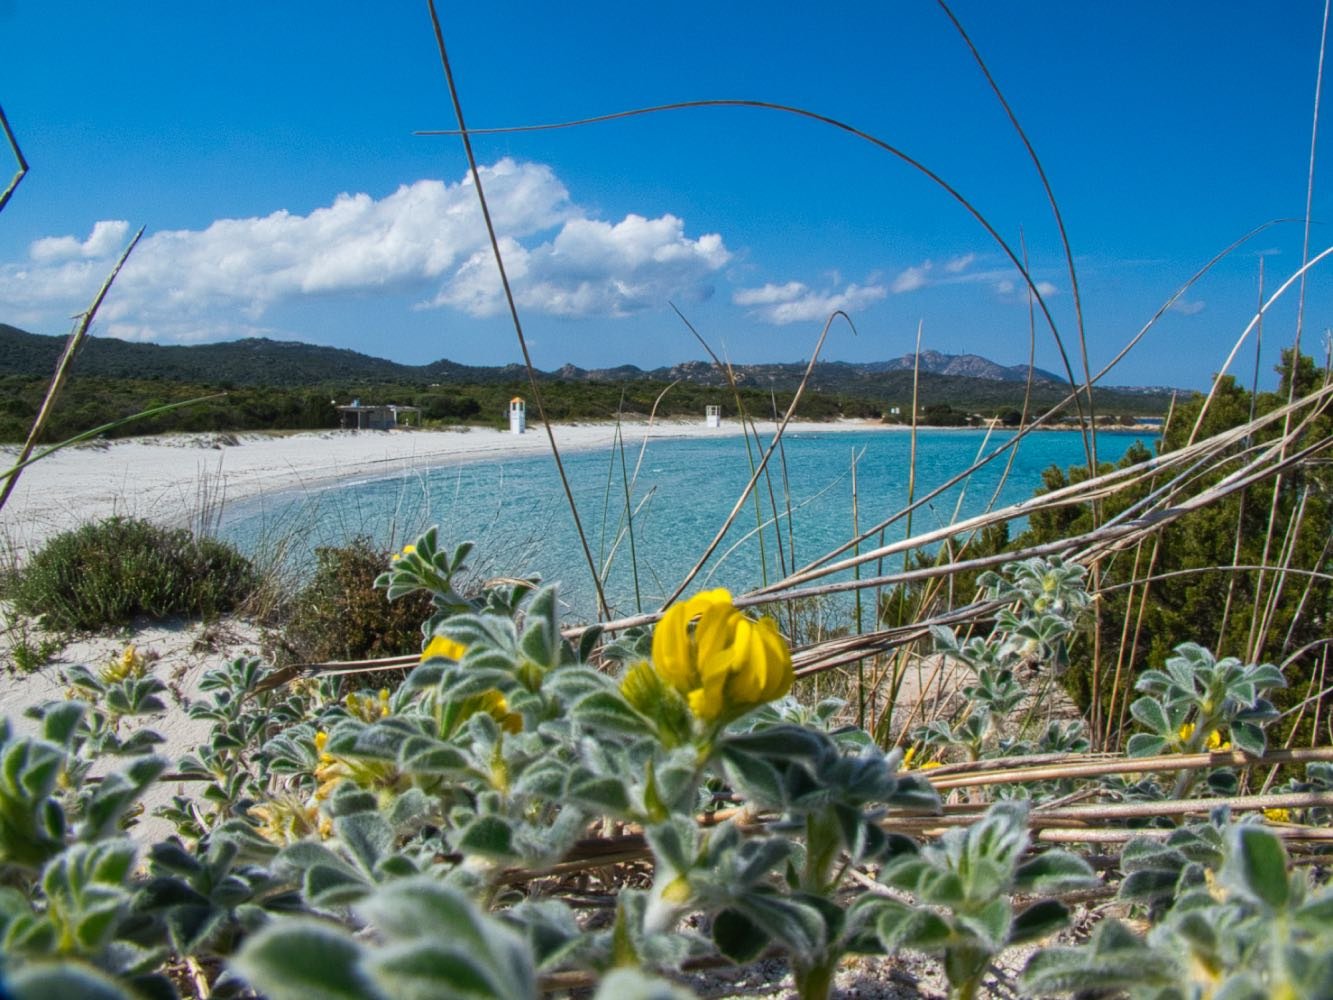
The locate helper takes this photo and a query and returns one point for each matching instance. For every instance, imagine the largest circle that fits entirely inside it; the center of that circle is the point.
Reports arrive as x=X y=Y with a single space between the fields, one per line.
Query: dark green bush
x=108 y=572
x=339 y=615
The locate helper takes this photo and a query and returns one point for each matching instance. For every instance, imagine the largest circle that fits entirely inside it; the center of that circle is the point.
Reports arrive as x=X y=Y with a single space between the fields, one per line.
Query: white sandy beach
x=168 y=479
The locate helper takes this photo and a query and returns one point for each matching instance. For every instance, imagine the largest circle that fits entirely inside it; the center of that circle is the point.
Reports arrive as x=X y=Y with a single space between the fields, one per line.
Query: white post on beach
x=518 y=415
x=712 y=415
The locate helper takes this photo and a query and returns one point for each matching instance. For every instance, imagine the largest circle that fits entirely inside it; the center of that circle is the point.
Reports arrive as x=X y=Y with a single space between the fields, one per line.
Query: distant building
x=359 y=416
x=518 y=415
x=712 y=416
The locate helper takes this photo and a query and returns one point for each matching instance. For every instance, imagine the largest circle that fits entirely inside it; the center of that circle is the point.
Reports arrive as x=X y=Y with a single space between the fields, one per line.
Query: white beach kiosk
x=518 y=415
x=712 y=415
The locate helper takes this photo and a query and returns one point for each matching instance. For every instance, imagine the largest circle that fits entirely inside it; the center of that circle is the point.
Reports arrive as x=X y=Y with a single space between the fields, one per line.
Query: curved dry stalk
x=63 y=369
x=888 y=147
x=464 y=134
x=1091 y=489
x=763 y=463
x=1055 y=767
x=1090 y=428
x=21 y=169
x=1258 y=317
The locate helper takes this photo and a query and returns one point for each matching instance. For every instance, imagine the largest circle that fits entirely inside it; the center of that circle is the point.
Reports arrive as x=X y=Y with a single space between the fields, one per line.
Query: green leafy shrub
x=108 y=572
x=339 y=615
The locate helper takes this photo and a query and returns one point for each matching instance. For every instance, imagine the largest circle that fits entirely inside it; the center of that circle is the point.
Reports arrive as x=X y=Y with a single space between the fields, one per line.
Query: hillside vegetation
x=274 y=385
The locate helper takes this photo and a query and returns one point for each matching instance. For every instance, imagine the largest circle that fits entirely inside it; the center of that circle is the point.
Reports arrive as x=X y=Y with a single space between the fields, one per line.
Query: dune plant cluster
x=537 y=810
x=109 y=572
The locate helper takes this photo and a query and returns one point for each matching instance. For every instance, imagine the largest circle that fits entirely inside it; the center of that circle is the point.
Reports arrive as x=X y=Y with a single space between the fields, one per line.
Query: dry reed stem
x=62 y=371
x=1090 y=422
x=759 y=470
x=815 y=116
x=513 y=306
x=977 y=773
x=21 y=169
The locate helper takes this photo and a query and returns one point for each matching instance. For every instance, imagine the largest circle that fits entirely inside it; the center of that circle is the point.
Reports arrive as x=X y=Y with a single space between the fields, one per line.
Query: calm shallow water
x=517 y=514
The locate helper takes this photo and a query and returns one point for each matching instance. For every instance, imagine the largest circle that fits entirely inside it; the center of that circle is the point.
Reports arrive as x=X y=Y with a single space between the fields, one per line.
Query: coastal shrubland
x=536 y=808
x=105 y=574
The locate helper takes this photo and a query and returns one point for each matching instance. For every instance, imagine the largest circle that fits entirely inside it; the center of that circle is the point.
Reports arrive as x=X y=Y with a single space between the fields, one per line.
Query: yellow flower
x=130 y=663
x=726 y=663
x=931 y=763
x=285 y=819
x=407 y=551
x=908 y=754
x=494 y=704
x=366 y=708
x=1213 y=743
x=1278 y=815
x=442 y=647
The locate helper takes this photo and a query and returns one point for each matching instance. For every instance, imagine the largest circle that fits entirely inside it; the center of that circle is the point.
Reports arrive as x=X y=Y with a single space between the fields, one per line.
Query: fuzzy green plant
x=109 y=572
x=340 y=615
x=1237 y=923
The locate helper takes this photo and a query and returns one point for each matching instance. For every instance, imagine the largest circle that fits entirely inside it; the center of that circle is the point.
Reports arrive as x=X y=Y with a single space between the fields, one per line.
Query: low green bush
x=339 y=615
x=109 y=572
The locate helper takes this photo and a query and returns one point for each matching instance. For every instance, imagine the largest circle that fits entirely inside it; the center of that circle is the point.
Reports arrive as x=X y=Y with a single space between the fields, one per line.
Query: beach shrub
x=106 y=573
x=339 y=615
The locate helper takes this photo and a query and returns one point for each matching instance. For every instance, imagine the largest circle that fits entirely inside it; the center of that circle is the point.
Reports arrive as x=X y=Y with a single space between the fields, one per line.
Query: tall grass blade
x=62 y=370
x=464 y=134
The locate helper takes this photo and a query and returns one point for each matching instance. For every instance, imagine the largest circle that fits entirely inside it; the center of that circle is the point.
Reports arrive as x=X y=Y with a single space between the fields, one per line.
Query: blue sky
x=268 y=149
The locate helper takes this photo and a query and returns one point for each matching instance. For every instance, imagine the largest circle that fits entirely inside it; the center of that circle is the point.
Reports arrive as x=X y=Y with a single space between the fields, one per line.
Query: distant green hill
x=964 y=382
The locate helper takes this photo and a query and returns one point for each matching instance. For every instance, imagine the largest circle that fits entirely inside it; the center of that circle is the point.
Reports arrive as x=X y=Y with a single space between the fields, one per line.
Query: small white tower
x=518 y=415
x=712 y=415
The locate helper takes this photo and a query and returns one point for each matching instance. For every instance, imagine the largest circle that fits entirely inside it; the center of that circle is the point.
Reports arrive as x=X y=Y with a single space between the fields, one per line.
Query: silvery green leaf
x=330 y=885
x=1037 y=921
x=673 y=843
x=799 y=927
x=423 y=756
x=62 y=981
x=738 y=937
x=367 y=835
x=1148 y=885
x=490 y=836
x=423 y=969
x=913 y=791
x=1150 y=714
x=299 y=958
x=603 y=794
x=1144 y=745
x=422 y=911
x=1248 y=737
x=990 y=924
x=783 y=742
x=633 y=984
x=756 y=778
x=608 y=710
x=550 y=928
x=60 y=720
x=1257 y=865
x=1054 y=871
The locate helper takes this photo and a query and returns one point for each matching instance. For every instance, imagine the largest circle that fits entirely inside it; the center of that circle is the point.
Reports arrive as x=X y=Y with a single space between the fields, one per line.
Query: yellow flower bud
x=442 y=647
x=1278 y=815
x=722 y=662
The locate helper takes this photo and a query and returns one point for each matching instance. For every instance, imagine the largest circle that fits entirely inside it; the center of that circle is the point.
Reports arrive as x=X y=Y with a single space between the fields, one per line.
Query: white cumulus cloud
x=769 y=294
x=592 y=268
x=1188 y=307
x=425 y=238
x=912 y=278
x=794 y=302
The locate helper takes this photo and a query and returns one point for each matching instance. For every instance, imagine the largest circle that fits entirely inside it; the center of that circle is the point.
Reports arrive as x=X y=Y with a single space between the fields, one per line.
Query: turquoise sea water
x=517 y=514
